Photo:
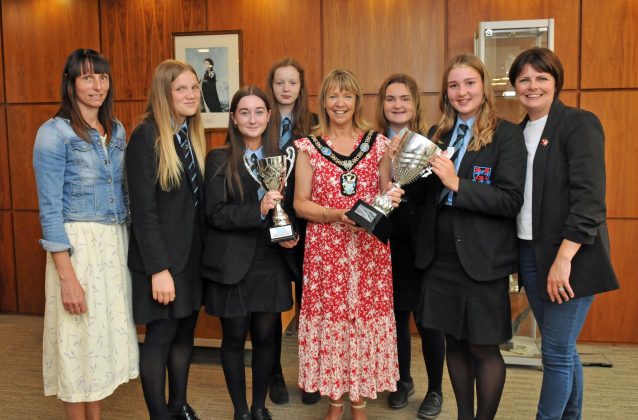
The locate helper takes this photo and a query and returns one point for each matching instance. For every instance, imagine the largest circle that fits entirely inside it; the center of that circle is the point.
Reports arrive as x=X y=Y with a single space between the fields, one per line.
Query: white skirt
x=86 y=357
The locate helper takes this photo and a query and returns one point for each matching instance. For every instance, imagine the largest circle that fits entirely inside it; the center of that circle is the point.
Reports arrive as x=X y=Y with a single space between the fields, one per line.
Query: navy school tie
x=189 y=158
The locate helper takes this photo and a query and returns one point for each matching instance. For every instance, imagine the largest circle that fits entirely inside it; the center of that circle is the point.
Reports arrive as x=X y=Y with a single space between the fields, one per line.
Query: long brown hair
x=486 y=120
x=301 y=117
x=78 y=63
x=235 y=141
x=418 y=123
x=343 y=80
x=161 y=110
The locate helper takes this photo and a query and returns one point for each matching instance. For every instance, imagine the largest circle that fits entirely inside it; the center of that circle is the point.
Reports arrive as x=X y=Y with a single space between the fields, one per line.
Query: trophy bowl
x=411 y=162
x=272 y=173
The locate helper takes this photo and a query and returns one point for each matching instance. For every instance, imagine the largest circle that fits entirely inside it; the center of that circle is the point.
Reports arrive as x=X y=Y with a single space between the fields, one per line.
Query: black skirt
x=266 y=287
x=452 y=302
x=188 y=288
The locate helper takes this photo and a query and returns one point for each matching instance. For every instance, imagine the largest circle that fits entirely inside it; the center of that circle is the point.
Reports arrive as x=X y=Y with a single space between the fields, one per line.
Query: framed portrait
x=216 y=58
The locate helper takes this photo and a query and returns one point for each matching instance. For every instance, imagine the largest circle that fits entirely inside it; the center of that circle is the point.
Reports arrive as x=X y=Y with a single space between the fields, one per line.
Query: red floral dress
x=347 y=332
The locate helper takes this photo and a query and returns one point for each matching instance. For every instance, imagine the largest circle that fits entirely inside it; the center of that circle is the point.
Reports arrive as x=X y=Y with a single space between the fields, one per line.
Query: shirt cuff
x=55 y=246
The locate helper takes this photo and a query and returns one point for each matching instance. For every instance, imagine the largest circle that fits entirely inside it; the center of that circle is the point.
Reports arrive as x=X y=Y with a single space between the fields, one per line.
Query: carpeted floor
x=610 y=393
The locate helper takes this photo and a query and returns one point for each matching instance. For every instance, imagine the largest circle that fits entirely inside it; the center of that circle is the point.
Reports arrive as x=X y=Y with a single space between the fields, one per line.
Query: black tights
x=234 y=330
x=168 y=345
x=432 y=346
x=473 y=363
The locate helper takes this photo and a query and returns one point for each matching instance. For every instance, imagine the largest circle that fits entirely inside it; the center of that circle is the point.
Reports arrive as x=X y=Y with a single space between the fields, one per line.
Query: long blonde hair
x=486 y=120
x=161 y=110
x=418 y=123
x=343 y=80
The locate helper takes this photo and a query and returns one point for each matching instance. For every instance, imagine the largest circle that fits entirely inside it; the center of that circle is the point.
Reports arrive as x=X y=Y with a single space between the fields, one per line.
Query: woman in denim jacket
x=90 y=342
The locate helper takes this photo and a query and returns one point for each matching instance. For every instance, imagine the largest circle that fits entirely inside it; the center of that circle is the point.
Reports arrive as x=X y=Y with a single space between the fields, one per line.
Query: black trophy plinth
x=371 y=219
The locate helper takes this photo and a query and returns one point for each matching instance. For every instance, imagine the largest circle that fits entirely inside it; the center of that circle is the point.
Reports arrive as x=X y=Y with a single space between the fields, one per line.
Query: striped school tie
x=190 y=170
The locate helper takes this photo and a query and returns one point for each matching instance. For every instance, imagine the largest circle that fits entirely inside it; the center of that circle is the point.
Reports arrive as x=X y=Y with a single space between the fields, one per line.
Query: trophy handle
x=249 y=167
x=427 y=172
x=290 y=158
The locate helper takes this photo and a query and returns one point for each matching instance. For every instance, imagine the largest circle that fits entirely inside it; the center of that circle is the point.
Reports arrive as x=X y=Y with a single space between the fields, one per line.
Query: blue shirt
x=391 y=133
x=77 y=181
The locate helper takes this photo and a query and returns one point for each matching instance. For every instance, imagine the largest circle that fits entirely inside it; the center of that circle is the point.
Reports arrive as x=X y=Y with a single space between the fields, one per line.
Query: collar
x=259 y=152
x=391 y=133
x=469 y=123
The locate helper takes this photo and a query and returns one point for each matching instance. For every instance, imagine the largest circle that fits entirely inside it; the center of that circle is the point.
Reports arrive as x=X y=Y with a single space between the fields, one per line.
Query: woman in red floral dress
x=347 y=337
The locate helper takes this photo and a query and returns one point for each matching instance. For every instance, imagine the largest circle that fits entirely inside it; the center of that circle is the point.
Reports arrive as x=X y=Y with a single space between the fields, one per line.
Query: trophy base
x=282 y=234
x=371 y=219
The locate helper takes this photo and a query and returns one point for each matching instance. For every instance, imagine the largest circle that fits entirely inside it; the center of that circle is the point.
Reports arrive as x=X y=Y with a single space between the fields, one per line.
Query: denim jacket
x=77 y=181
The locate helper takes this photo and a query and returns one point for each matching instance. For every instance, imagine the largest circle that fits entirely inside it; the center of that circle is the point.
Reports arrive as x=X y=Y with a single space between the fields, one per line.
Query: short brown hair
x=342 y=80
x=541 y=59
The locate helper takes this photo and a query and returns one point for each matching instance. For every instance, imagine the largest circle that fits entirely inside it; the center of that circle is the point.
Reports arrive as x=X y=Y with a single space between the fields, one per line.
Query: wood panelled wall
x=596 y=41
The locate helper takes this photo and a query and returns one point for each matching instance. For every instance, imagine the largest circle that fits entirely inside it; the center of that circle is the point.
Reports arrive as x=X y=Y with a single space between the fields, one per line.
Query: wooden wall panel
x=613 y=316
x=215 y=138
x=609 y=51
x=1 y=67
x=8 y=297
x=30 y=261
x=23 y=122
x=464 y=16
x=376 y=38
x=129 y=114
x=137 y=36
x=5 y=188
x=38 y=36
x=270 y=31
x=617 y=112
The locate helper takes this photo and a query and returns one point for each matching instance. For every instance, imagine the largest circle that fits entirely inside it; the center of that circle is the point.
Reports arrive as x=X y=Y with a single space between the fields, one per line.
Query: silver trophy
x=411 y=162
x=272 y=174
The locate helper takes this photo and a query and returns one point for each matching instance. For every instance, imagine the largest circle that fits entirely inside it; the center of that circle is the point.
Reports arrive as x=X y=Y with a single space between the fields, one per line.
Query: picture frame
x=218 y=82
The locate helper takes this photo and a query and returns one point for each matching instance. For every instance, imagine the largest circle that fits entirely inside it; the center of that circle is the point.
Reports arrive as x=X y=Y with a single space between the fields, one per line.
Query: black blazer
x=234 y=227
x=162 y=222
x=568 y=198
x=489 y=198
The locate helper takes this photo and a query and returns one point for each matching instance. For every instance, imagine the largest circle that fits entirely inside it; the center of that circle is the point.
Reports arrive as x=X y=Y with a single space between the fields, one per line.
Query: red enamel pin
x=544 y=142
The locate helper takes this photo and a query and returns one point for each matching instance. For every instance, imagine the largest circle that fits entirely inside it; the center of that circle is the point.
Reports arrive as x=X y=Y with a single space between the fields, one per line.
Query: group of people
x=502 y=198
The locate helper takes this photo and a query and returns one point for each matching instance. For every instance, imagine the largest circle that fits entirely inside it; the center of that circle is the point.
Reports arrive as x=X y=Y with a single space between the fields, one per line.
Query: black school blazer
x=234 y=227
x=489 y=198
x=568 y=198
x=161 y=221
x=300 y=224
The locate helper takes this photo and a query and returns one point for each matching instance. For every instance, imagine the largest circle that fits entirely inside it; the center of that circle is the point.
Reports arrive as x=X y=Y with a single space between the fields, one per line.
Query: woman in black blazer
x=466 y=241
x=563 y=239
x=249 y=277
x=163 y=162
x=399 y=106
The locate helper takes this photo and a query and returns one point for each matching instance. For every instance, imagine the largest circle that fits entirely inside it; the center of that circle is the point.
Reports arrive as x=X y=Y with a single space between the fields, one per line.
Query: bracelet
x=325 y=215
